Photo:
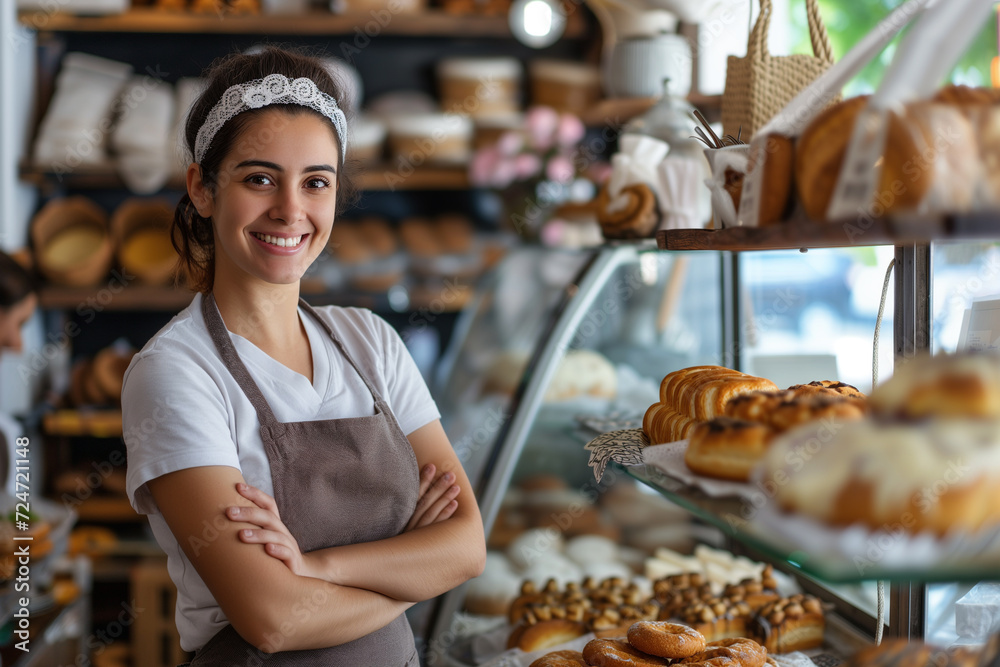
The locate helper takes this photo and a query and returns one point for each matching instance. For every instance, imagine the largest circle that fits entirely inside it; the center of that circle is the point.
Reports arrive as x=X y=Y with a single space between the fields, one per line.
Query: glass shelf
x=727 y=514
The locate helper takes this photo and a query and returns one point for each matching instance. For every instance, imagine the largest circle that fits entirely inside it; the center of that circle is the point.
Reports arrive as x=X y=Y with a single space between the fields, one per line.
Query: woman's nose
x=288 y=206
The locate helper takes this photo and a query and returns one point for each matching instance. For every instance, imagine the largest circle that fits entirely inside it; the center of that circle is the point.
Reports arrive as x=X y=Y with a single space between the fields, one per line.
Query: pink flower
x=541 y=123
x=559 y=169
x=553 y=232
x=504 y=173
x=527 y=165
x=483 y=165
x=570 y=130
x=510 y=143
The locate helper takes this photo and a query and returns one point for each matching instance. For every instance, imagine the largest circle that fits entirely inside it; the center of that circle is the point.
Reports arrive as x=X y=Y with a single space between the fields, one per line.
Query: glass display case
x=591 y=360
x=560 y=345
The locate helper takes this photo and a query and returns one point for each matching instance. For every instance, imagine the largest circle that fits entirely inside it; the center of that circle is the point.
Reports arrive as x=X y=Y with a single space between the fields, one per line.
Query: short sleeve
x=408 y=395
x=174 y=416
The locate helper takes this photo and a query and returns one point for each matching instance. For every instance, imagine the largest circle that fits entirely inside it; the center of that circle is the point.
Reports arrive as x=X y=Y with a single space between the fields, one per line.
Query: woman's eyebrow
x=276 y=167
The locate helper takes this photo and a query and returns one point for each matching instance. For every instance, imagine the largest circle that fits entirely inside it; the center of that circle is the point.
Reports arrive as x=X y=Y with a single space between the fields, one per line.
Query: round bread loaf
x=666 y=640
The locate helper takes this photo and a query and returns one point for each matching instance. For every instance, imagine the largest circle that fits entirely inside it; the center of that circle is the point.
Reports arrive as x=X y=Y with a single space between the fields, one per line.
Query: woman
x=18 y=302
x=280 y=451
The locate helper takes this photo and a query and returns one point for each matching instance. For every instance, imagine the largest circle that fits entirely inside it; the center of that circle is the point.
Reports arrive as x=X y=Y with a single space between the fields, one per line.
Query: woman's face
x=274 y=206
x=12 y=320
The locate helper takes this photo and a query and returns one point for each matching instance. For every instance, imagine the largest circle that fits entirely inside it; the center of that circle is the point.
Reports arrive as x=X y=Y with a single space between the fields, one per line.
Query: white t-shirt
x=182 y=408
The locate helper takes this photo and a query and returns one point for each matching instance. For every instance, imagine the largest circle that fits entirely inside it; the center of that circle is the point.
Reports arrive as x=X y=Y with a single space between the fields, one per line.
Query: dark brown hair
x=192 y=234
x=16 y=283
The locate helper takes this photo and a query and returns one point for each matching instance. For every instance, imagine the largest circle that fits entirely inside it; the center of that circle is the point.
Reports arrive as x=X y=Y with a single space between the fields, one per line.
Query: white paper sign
x=981 y=327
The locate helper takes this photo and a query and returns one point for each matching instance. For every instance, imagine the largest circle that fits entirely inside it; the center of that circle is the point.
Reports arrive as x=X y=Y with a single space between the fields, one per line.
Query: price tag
x=749 y=213
x=862 y=169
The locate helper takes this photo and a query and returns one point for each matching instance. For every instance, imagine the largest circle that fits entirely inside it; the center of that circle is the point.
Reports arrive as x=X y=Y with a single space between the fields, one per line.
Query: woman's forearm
x=414 y=566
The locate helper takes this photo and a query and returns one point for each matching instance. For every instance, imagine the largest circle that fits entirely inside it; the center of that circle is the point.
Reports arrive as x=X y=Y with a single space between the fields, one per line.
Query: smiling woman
x=304 y=437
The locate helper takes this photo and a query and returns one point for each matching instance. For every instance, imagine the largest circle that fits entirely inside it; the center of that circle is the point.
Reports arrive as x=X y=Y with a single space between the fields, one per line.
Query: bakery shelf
x=380 y=176
x=729 y=515
x=151 y=298
x=114 y=297
x=804 y=234
x=112 y=509
x=616 y=111
x=429 y=23
x=91 y=423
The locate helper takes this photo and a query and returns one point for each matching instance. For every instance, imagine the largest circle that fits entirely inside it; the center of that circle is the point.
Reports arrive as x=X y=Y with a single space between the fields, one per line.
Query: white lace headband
x=272 y=89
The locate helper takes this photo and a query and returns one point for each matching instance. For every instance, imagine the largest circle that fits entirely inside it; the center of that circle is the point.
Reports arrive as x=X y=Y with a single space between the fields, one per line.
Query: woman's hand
x=271 y=532
x=437 y=500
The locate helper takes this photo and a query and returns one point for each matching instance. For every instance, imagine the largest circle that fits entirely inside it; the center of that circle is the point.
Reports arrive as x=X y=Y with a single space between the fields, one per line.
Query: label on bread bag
x=748 y=215
x=861 y=172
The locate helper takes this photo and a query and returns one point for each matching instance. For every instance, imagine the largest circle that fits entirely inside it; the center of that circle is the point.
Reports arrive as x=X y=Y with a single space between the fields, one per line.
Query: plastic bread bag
x=769 y=158
x=906 y=154
x=75 y=128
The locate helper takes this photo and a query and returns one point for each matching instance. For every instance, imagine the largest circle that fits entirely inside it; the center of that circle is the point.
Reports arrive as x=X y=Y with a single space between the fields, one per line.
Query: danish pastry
x=953 y=385
x=734 y=652
x=791 y=413
x=665 y=640
x=790 y=624
x=560 y=659
x=618 y=653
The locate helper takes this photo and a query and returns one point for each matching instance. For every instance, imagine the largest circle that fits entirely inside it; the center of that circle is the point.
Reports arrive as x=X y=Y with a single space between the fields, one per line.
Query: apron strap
x=269 y=425
x=343 y=350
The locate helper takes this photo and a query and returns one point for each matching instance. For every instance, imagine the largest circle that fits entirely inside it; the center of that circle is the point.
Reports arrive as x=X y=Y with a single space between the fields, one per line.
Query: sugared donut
x=618 y=653
x=666 y=640
x=736 y=652
x=560 y=659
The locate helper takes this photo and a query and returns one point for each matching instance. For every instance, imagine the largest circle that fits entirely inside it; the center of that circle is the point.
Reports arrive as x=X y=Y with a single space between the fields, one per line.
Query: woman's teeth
x=279 y=241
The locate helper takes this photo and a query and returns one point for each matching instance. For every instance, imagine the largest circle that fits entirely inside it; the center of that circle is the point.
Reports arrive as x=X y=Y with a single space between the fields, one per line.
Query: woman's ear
x=199 y=192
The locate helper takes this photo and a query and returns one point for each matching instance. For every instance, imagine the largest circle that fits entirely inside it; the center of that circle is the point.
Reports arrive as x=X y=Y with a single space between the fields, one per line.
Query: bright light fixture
x=537 y=23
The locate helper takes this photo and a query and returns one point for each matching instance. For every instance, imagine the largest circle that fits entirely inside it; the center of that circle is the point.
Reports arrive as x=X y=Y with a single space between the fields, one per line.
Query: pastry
x=717 y=618
x=835 y=409
x=737 y=651
x=545 y=634
x=790 y=624
x=827 y=387
x=666 y=640
x=756 y=406
x=618 y=653
x=952 y=385
x=492 y=593
x=637 y=218
x=937 y=475
x=727 y=448
x=560 y=659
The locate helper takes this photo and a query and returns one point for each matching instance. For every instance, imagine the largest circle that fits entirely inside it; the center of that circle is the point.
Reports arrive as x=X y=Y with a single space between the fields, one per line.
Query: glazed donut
x=736 y=652
x=666 y=640
x=560 y=659
x=618 y=653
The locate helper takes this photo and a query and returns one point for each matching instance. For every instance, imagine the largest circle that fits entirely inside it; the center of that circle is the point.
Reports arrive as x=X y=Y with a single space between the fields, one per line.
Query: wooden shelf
x=175 y=299
x=616 y=111
x=430 y=23
x=379 y=176
x=89 y=423
x=107 y=509
x=139 y=297
x=805 y=234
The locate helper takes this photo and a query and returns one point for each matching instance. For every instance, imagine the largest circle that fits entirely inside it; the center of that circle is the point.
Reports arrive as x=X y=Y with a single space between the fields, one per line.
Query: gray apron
x=336 y=482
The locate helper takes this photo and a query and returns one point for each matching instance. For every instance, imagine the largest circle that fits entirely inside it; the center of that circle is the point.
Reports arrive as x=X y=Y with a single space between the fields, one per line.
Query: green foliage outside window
x=849 y=20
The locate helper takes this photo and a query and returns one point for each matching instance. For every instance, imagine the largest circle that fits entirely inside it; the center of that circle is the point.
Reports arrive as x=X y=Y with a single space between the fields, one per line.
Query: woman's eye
x=258 y=179
x=317 y=183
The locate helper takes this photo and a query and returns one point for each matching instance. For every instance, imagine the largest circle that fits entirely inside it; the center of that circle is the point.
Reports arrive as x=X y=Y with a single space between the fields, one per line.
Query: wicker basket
x=71 y=241
x=759 y=85
x=140 y=229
